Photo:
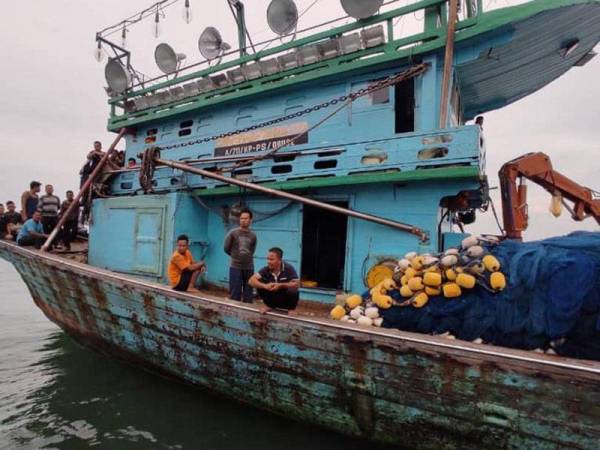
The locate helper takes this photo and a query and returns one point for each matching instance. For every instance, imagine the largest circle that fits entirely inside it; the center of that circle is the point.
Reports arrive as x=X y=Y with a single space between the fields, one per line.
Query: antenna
x=361 y=9
x=211 y=43
x=166 y=59
x=117 y=76
x=282 y=16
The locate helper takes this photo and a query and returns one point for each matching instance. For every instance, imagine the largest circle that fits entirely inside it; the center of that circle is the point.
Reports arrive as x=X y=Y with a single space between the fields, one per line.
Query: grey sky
x=53 y=104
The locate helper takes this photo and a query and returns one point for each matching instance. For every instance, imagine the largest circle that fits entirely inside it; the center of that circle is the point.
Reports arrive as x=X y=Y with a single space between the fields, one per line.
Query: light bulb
x=98 y=53
x=124 y=37
x=186 y=12
x=156 y=25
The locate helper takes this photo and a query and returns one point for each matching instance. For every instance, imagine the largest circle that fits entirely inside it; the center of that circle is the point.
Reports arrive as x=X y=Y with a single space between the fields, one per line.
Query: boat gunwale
x=514 y=356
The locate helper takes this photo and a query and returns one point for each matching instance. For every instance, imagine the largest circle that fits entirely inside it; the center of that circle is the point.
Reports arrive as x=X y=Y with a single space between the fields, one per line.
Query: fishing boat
x=350 y=145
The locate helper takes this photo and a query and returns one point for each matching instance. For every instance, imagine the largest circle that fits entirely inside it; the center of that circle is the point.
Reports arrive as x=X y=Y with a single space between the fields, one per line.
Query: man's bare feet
x=264 y=309
x=193 y=291
x=292 y=313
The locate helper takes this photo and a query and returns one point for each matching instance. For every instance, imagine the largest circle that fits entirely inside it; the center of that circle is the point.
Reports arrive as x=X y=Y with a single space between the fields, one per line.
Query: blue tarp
x=553 y=294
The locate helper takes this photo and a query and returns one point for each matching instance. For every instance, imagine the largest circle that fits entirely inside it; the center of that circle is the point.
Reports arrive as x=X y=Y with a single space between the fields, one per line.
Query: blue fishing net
x=552 y=299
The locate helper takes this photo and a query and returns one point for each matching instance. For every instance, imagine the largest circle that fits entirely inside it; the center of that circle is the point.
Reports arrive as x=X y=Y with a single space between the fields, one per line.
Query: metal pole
x=448 y=58
x=422 y=234
x=84 y=188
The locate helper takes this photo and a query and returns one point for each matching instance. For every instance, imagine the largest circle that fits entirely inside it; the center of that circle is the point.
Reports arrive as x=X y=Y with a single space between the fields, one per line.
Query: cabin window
x=324 y=246
x=404 y=99
x=185 y=132
x=186 y=124
x=380 y=96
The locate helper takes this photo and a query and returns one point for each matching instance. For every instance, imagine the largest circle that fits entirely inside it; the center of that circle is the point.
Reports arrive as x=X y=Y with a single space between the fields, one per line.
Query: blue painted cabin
x=384 y=154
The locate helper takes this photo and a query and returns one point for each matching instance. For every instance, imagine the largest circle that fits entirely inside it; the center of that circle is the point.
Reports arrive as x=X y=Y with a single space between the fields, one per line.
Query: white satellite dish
x=166 y=59
x=361 y=9
x=117 y=76
x=282 y=16
x=211 y=43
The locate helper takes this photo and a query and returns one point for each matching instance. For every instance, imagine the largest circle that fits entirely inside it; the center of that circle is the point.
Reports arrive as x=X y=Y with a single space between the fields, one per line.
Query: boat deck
x=318 y=314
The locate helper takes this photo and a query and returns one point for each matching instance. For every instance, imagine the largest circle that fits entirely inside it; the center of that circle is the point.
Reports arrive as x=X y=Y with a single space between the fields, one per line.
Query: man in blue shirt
x=32 y=232
x=276 y=283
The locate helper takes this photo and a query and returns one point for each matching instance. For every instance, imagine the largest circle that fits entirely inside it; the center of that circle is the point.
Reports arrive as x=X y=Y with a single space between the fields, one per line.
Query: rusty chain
x=385 y=82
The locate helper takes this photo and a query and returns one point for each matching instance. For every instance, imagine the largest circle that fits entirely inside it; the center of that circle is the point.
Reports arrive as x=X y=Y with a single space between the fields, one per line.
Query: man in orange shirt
x=183 y=271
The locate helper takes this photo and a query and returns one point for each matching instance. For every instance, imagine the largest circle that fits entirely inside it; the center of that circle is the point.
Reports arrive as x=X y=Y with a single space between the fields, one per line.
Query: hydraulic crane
x=538 y=168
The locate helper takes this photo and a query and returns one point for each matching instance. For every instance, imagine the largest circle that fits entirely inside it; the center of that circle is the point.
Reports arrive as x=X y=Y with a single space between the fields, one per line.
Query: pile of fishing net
x=551 y=300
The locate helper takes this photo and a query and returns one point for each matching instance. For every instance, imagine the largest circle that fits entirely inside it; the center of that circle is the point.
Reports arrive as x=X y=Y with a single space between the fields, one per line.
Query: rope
x=147 y=168
x=399 y=77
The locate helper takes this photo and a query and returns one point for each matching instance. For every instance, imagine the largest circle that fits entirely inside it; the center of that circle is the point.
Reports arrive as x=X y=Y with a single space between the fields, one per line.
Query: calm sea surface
x=57 y=394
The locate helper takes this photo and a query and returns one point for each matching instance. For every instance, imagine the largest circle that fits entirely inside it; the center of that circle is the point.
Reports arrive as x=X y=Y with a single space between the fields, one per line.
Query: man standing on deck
x=69 y=229
x=29 y=200
x=183 y=271
x=49 y=204
x=240 y=245
x=276 y=283
x=93 y=158
x=32 y=232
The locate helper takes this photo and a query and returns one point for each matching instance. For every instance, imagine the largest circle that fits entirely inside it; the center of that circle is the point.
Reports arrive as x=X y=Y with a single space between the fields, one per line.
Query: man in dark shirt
x=276 y=283
x=11 y=221
x=69 y=229
x=3 y=224
x=29 y=200
x=49 y=204
x=93 y=158
x=240 y=245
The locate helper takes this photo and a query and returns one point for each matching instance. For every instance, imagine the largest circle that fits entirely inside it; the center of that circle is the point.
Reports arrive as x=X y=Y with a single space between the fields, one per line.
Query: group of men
x=276 y=284
x=39 y=216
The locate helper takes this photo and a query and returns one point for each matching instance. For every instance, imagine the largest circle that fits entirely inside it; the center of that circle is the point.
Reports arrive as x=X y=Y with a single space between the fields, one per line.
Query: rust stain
x=149 y=307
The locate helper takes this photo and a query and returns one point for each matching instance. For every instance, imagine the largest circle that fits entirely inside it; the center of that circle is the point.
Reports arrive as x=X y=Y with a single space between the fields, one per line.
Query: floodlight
x=220 y=80
x=235 y=75
x=211 y=43
x=329 y=48
x=252 y=71
x=167 y=59
x=269 y=66
x=288 y=61
x=117 y=76
x=205 y=84
x=350 y=43
x=282 y=16
x=361 y=9
x=140 y=103
x=309 y=54
x=164 y=97
x=154 y=100
x=191 y=89
x=177 y=93
x=372 y=37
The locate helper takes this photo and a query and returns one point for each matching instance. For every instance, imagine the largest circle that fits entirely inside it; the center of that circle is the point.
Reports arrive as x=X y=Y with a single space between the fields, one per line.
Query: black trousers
x=30 y=240
x=49 y=224
x=283 y=298
x=69 y=231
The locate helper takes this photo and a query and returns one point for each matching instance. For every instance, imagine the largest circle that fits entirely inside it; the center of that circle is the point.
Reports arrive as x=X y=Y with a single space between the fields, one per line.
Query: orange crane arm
x=538 y=168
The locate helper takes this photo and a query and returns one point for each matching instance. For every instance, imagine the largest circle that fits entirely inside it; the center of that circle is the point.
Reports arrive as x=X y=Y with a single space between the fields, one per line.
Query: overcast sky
x=53 y=105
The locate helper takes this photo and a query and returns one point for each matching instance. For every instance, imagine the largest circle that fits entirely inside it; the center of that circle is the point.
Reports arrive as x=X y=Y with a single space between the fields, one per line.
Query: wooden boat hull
x=382 y=385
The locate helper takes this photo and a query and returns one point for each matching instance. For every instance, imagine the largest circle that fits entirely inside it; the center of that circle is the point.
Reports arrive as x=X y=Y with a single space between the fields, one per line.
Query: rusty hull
x=418 y=391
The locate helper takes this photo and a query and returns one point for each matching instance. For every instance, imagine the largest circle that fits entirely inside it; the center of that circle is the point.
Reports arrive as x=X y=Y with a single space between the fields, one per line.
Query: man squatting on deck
x=276 y=283
x=240 y=245
x=183 y=271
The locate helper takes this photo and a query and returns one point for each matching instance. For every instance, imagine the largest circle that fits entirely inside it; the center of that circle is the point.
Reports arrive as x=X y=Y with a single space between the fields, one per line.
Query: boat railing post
x=82 y=191
x=448 y=62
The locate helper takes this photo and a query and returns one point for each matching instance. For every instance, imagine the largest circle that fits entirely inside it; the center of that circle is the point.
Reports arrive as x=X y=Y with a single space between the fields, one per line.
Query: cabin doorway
x=324 y=246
